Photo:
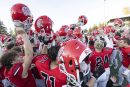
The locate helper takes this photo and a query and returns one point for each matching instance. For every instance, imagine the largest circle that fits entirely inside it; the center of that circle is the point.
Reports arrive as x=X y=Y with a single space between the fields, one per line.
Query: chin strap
x=70 y=78
x=77 y=72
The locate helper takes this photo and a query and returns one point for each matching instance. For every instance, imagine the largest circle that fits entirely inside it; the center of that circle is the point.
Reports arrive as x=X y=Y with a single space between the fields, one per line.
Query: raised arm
x=28 y=52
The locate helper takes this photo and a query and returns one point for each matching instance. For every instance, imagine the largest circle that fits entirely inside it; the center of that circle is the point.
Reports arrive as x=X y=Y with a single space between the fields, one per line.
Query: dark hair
x=8 y=58
x=53 y=52
x=91 y=43
x=9 y=46
x=86 y=39
x=127 y=40
x=118 y=34
x=32 y=40
x=105 y=43
x=16 y=48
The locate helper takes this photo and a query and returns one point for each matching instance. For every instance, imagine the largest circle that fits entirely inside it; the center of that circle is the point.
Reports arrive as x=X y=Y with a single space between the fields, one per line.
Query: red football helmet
x=21 y=16
x=63 y=30
x=82 y=20
x=95 y=32
x=71 y=55
x=109 y=29
x=118 y=22
x=73 y=26
x=43 y=23
x=62 y=34
x=77 y=32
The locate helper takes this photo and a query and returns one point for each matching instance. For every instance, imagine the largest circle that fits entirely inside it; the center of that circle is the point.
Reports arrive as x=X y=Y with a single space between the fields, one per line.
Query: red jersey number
x=47 y=78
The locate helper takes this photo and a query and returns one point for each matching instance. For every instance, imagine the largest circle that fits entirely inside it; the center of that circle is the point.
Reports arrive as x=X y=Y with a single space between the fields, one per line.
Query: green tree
x=3 y=29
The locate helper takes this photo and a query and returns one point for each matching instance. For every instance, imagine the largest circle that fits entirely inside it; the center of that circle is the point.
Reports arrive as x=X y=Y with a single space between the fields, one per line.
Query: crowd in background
x=70 y=57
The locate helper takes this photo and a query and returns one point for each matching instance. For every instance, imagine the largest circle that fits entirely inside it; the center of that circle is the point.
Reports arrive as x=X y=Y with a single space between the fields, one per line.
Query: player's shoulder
x=107 y=49
x=42 y=57
x=127 y=49
x=93 y=55
x=15 y=69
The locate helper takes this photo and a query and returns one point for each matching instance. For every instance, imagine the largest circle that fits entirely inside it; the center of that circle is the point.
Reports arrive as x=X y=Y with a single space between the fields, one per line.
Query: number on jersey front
x=100 y=61
x=48 y=78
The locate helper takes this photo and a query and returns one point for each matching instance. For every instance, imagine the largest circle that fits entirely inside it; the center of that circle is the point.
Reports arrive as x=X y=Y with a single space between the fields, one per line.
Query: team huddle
x=69 y=57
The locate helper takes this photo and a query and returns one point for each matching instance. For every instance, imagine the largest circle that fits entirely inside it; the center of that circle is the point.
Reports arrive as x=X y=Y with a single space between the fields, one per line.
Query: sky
x=66 y=12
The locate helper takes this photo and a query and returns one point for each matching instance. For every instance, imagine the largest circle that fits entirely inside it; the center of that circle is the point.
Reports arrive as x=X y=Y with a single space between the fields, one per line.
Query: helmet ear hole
x=70 y=63
x=72 y=71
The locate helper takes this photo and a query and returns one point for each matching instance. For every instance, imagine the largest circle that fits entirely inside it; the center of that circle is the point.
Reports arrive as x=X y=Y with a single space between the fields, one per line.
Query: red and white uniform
x=14 y=75
x=126 y=56
x=123 y=70
x=52 y=77
x=100 y=58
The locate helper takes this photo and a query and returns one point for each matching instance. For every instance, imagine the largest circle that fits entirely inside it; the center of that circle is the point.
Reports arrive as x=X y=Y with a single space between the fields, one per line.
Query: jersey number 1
x=47 y=77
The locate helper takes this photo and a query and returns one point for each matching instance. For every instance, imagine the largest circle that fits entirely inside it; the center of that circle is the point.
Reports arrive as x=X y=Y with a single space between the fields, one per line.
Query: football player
x=17 y=68
x=100 y=58
x=124 y=71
